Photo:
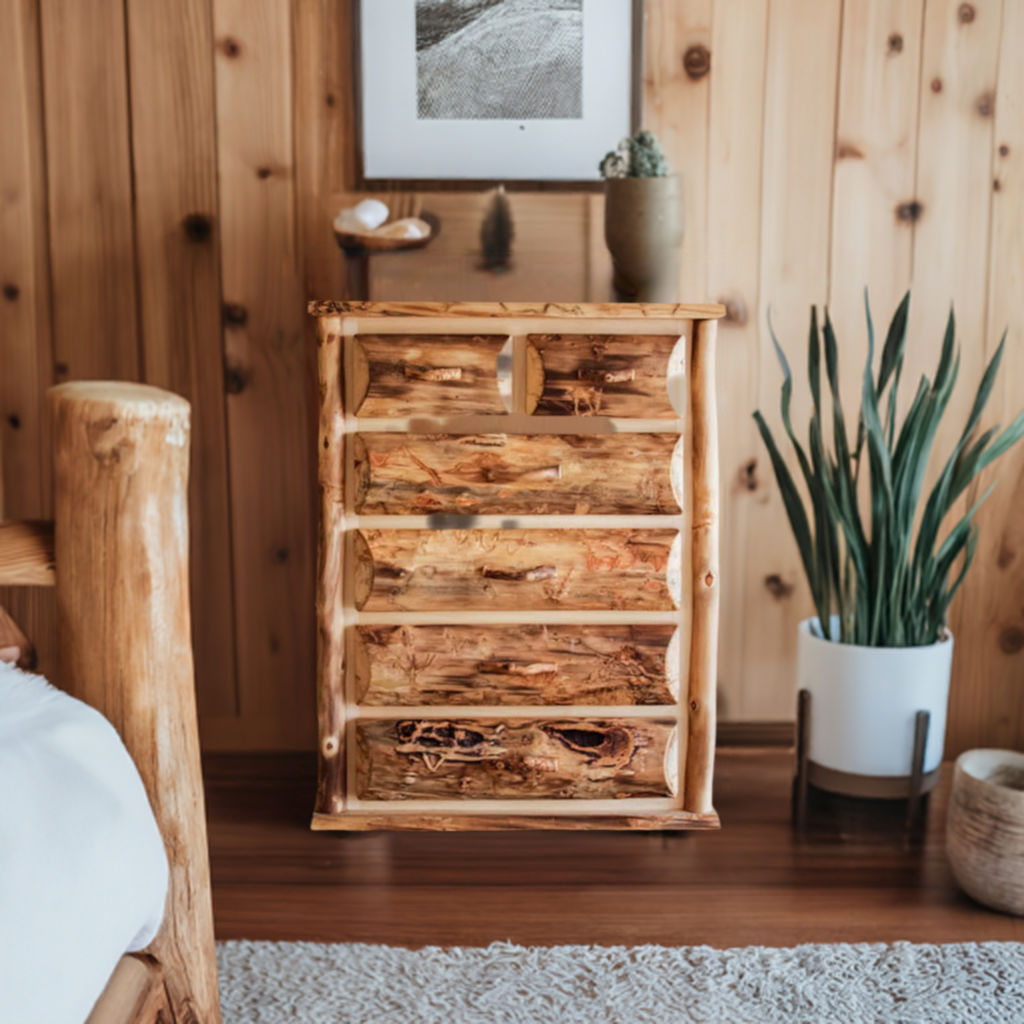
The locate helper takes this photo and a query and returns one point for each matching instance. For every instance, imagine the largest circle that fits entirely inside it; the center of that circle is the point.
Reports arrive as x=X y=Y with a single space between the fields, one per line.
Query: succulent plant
x=637 y=156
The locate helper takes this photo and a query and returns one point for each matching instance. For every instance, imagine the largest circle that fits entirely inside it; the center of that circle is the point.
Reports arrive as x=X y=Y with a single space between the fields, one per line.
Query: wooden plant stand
x=517 y=583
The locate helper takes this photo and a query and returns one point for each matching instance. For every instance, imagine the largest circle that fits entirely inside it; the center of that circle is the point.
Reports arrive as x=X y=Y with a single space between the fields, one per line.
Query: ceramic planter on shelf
x=643 y=228
x=864 y=701
x=985 y=828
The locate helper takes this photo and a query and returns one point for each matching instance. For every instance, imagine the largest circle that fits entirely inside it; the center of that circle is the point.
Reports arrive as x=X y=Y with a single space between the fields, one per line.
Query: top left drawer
x=430 y=375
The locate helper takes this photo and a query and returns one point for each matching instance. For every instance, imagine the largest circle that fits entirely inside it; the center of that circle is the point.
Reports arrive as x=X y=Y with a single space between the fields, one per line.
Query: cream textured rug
x=308 y=983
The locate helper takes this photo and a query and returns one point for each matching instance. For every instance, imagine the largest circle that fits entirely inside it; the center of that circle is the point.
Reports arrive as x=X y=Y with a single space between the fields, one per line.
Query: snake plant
x=884 y=572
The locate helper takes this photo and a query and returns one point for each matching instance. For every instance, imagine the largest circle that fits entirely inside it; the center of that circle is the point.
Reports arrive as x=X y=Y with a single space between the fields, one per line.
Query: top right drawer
x=628 y=376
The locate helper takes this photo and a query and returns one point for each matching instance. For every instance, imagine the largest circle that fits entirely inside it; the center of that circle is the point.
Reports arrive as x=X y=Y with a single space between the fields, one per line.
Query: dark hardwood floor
x=851 y=879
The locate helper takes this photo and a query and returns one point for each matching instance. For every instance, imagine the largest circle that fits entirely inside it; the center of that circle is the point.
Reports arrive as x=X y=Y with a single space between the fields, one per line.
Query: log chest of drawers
x=517 y=583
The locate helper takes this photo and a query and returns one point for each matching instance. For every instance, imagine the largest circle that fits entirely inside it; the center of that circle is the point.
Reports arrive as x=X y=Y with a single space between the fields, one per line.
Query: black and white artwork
x=499 y=59
x=495 y=90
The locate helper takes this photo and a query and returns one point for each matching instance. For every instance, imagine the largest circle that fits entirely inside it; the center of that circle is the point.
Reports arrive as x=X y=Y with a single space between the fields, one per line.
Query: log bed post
x=121 y=541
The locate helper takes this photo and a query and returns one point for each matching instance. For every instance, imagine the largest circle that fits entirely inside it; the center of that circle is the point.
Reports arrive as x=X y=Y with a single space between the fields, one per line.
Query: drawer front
x=432 y=375
x=604 y=375
x=509 y=474
x=516 y=665
x=516 y=759
x=517 y=570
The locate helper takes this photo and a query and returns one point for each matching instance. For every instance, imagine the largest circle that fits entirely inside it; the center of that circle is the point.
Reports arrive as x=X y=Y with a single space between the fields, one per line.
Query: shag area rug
x=293 y=982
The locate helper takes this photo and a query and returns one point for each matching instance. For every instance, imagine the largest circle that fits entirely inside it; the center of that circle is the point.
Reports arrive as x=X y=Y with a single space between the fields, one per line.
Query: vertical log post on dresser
x=121 y=543
x=704 y=519
x=330 y=614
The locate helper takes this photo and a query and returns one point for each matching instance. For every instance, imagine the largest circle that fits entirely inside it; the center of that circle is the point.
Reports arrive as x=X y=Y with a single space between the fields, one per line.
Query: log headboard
x=517 y=583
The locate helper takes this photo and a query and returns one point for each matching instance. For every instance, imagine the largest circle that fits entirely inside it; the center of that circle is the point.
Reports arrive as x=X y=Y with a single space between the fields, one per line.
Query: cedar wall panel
x=170 y=49
x=829 y=146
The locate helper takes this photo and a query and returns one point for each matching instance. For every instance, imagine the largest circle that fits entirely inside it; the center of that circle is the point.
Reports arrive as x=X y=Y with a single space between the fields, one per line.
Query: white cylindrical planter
x=864 y=702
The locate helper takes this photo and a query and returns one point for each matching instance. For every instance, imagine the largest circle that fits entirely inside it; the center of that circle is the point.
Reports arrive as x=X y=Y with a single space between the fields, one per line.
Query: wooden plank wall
x=164 y=215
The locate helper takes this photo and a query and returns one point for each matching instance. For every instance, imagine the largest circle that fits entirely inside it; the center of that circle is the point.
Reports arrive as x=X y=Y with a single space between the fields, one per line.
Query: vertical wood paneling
x=796 y=204
x=88 y=153
x=270 y=444
x=874 y=178
x=738 y=42
x=676 y=110
x=174 y=149
x=25 y=343
x=954 y=187
x=987 y=701
x=26 y=352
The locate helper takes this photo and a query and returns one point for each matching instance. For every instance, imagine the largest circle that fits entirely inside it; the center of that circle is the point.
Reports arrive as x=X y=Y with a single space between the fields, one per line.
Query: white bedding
x=83 y=872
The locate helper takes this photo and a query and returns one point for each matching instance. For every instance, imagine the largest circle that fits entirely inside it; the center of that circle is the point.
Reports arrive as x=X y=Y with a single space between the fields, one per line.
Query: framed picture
x=495 y=90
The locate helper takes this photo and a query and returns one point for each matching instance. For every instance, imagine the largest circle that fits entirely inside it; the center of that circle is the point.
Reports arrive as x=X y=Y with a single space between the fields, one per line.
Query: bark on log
x=516 y=665
x=121 y=533
x=604 y=375
x=430 y=375
x=330 y=609
x=522 y=570
x=516 y=759
x=511 y=474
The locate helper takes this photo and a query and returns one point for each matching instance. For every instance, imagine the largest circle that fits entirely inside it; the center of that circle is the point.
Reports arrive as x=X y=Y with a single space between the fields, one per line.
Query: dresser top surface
x=520 y=310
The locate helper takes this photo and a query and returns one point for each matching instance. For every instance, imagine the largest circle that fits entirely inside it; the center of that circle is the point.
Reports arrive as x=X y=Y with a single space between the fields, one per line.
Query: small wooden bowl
x=379 y=240
x=985 y=828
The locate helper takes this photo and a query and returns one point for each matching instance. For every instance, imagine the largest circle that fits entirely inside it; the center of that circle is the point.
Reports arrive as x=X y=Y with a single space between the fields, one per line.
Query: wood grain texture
x=89 y=176
x=676 y=101
x=754 y=882
x=135 y=994
x=986 y=699
x=606 y=375
x=873 y=173
x=15 y=646
x=521 y=570
x=363 y=821
x=704 y=588
x=614 y=474
x=271 y=431
x=801 y=73
x=121 y=531
x=516 y=310
x=426 y=375
x=516 y=665
x=26 y=352
x=177 y=240
x=515 y=759
x=330 y=610
x=26 y=554
x=735 y=143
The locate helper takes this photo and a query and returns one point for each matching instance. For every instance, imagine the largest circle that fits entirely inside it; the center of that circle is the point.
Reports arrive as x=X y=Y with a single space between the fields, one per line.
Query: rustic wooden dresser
x=517 y=583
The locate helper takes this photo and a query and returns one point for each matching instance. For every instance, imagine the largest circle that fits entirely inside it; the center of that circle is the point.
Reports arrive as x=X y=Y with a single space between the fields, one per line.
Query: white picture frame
x=451 y=112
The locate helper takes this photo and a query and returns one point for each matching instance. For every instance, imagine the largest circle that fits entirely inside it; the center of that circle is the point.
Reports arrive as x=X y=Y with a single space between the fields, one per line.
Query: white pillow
x=83 y=871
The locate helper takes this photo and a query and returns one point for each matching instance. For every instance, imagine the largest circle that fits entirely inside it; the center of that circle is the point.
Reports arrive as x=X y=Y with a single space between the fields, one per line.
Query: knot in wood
x=709 y=580
x=777 y=587
x=198 y=227
x=909 y=212
x=11 y=292
x=697 y=61
x=1011 y=640
x=966 y=13
x=331 y=746
x=235 y=314
x=936 y=85
x=230 y=47
x=986 y=104
x=895 y=43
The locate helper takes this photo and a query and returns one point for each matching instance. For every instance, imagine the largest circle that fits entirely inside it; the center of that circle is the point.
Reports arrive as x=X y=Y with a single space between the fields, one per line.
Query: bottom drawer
x=516 y=759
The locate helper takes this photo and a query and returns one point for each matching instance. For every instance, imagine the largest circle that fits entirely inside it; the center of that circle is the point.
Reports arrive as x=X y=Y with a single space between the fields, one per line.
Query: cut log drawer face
x=431 y=375
x=516 y=759
x=605 y=375
x=518 y=570
x=516 y=665
x=509 y=474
